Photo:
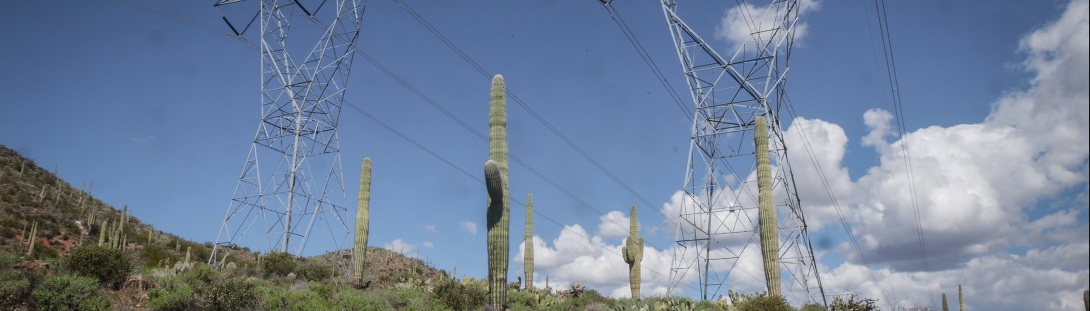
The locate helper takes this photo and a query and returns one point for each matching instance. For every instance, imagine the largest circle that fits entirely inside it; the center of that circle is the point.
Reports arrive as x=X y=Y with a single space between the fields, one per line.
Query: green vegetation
x=108 y=266
x=278 y=264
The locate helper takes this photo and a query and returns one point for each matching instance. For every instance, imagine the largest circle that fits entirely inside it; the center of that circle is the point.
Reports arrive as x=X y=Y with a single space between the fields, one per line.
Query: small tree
x=278 y=263
x=109 y=266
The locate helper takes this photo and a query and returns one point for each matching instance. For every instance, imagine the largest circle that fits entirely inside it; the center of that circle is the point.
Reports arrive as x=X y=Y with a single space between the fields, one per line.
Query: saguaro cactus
x=633 y=254
x=33 y=237
x=102 y=232
x=961 y=299
x=528 y=261
x=499 y=205
x=363 y=218
x=945 y=307
x=767 y=220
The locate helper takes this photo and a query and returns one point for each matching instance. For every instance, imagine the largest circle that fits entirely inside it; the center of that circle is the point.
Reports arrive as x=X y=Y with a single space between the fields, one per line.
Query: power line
x=240 y=38
x=474 y=177
x=522 y=104
x=836 y=203
x=616 y=16
x=406 y=138
x=482 y=136
x=898 y=104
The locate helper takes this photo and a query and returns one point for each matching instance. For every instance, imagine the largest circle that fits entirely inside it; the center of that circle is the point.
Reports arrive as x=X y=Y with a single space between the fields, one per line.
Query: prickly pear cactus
x=633 y=254
x=498 y=214
x=528 y=261
x=767 y=220
x=363 y=218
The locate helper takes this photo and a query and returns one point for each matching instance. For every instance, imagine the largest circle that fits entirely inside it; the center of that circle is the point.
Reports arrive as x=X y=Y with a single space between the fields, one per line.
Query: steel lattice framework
x=292 y=185
x=719 y=213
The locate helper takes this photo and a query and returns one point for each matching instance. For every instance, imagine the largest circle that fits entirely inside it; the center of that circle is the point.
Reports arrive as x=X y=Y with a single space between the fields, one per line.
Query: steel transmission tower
x=718 y=226
x=291 y=188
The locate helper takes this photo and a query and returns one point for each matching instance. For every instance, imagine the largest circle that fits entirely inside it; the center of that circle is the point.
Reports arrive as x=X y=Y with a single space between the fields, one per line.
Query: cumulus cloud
x=427 y=244
x=614 y=225
x=748 y=22
x=469 y=226
x=576 y=256
x=400 y=246
x=975 y=186
x=429 y=228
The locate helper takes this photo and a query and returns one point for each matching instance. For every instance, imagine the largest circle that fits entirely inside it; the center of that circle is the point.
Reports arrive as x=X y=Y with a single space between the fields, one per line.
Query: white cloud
x=427 y=244
x=578 y=257
x=976 y=185
x=469 y=226
x=399 y=246
x=742 y=23
x=1043 y=279
x=430 y=228
x=614 y=225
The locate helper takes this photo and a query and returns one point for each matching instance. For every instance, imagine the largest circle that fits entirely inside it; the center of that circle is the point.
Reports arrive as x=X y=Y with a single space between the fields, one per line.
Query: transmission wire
x=616 y=16
x=410 y=140
x=533 y=113
x=898 y=104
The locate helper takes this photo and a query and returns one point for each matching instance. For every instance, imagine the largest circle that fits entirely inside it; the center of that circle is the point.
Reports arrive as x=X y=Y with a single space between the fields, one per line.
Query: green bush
x=172 y=294
x=70 y=292
x=851 y=304
x=764 y=303
x=459 y=296
x=313 y=271
x=109 y=266
x=14 y=293
x=229 y=293
x=357 y=300
x=296 y=300
x=278 y=263
x=812 y=307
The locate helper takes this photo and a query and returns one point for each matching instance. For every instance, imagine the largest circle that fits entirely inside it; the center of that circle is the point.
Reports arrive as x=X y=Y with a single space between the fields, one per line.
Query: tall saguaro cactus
x=767 y=220
x=363 y=218
x=633 y=253
x=945 y=306
x=528 y=261
x=498 y=202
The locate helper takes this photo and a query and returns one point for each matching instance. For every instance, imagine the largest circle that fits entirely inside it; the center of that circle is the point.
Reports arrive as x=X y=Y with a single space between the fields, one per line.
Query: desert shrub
x=323 y=290
x=406 y=299
x=14 y=293
x=70 y=292
x=358 y=300
x=460 y=296
x=109 y=266
x=812 y=307
x=313 y=271
x=296 y=300
x=851 y=304
x=522 y=299
x=172 y=294
x=763 y=303
x=278 y=263
x=229 y=293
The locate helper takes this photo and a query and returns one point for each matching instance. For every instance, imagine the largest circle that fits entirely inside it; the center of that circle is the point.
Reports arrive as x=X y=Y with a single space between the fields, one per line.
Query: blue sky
x=160 y=114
